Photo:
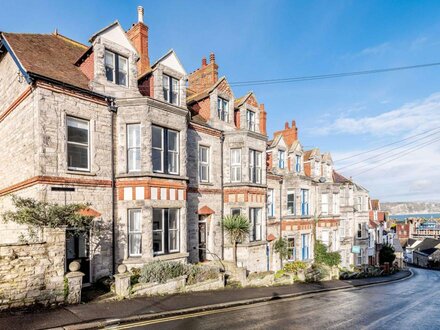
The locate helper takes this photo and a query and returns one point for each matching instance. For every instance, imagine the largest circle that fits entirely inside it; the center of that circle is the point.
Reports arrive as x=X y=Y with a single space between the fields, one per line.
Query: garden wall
x=33 y=273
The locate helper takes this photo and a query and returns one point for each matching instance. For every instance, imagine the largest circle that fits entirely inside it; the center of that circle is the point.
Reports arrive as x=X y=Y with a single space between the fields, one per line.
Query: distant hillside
x=411 y=207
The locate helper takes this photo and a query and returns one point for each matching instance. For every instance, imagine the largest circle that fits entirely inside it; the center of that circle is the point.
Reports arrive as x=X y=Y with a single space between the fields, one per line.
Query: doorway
x=202 y=239
x=78 y=249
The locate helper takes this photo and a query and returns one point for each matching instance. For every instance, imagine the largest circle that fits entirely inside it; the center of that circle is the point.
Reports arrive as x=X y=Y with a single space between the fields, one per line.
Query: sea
x=402 y=217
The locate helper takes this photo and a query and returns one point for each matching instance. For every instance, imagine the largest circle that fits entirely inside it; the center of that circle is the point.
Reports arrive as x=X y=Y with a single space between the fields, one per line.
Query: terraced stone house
x=162 y=156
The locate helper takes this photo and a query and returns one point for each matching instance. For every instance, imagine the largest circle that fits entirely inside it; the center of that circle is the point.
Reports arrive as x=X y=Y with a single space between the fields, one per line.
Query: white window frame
x=166 y=232
x=250 y=120
x=255 y=218
x=165 y=151
x=204 y=163
x=270 y=202
x=324 y=204
x=168 y=89
x=115 y=68
x=336 y=204
x=223 y=109
x=305 y=197
x=255 y=170
x=78 y=120
x=290 y=204
x=298 y=163
x=235 y=165
x=136 y=148
x=132 y=232
x=281 y=159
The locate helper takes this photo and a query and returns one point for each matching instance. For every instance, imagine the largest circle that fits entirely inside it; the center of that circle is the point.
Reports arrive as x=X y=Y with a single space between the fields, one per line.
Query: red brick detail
x=252 y=101
x=205 y=76
x=237 y=118
x=16 y=103
x=269 y=160
x=204 y=129
x=120 y=194
x=263 y=119
x=138 y=34
x=203 y=108
x=89 y=212
x=307 y=169
x=66 y=91
x=290 y=134
x=55 y=180
x=205 y=210
x=225 y=88
x=88 y=66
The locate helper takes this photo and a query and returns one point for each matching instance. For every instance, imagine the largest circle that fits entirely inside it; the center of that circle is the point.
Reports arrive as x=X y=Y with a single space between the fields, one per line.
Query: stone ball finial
x=74 y=266
x=122 y=269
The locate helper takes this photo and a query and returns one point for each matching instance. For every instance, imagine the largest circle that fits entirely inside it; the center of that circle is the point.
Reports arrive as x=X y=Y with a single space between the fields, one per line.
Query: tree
x=237 y=227
x=36 y=214
x=281 y=247
x=386 y=254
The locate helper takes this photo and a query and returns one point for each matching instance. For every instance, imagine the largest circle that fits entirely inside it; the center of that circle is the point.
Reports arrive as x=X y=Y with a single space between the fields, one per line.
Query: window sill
x=141 y=260
x=206 y=184
x=87 y=173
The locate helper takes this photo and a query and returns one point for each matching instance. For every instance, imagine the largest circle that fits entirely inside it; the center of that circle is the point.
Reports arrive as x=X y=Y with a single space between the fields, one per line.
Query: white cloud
x=375 y=50
x=414 y=117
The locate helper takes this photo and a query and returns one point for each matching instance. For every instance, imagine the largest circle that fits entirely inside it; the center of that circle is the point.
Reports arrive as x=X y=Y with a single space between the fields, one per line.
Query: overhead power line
x=418 y=147
x=385 y=145
x=329 y=76
x=437 y=131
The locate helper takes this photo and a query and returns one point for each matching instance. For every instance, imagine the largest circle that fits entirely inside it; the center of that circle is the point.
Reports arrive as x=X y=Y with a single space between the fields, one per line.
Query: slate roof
x=428 y=246
x=338 y=178
x=49 y=55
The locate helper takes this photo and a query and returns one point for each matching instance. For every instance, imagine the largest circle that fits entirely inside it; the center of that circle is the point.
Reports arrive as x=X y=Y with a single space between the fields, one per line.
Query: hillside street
x=410 y=304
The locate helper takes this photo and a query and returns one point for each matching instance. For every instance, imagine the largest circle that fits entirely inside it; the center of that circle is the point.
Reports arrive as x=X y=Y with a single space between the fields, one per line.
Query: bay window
x=116 y=68
x=324 y=204
x=270 y=203
x=165 y=150
x=256 y=228
x=78 y=148
x=254 y=166
x=134 y=232
x=290 y=202
x=336 y=204
x=204 y=164
x=171 y=89
x=165 y=231
x=304 y=202
x=235 y=165
x=134 y=147
x=223 y=109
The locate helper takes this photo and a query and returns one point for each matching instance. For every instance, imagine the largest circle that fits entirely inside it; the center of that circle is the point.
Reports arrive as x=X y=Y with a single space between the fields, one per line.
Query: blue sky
x=259 y=39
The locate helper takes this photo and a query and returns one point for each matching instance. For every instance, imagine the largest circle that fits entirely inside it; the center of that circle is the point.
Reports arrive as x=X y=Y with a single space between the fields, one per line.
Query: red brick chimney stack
x=205 y=76
x=290 y=134
x=263 y=117
x=138 y=34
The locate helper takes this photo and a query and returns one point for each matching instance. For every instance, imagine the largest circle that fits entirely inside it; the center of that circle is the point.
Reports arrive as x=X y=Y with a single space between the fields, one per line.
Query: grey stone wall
x=33 y=273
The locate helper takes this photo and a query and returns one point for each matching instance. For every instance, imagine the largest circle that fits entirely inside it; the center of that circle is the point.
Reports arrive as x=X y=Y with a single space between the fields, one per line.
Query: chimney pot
x=286 y=125
x=140 y=10
x=204 y=62
x=293 y=123
x=262 y=109
x=212 y=58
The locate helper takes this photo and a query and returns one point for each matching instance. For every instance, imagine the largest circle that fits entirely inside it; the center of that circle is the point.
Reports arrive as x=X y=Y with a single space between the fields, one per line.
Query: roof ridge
x=76 y=43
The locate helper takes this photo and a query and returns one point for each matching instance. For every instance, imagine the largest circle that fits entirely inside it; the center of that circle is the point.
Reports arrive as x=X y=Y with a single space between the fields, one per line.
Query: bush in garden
x=294 y=267
x=161 y=272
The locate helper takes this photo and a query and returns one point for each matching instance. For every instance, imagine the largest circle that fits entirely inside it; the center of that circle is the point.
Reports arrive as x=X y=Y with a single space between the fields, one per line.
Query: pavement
x=98 y=315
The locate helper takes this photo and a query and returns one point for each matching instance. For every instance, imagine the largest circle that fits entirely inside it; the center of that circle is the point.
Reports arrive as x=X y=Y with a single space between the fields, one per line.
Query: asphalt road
x=409 y=304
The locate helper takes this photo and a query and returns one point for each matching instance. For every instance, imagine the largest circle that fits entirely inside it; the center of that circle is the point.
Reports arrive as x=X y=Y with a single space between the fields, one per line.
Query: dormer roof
x=115 y=33
x=171 y=60
x=191 y=97
x=242 y=100
x=296 y=146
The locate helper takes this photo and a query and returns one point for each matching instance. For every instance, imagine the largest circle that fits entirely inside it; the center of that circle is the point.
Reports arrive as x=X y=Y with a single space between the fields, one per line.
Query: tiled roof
x=338 y=178
x=49 y=55
x=428 y=245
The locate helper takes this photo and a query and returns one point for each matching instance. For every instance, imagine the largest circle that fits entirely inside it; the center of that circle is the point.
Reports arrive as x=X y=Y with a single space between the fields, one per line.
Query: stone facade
x=33 y=273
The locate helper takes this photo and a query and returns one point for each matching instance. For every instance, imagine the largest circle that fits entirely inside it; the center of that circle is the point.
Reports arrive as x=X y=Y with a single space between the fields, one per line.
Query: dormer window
x=223 y=109
x=116 y=68
x=297 y=163
x=250 y=119
x=171 y=90
x=281 y=158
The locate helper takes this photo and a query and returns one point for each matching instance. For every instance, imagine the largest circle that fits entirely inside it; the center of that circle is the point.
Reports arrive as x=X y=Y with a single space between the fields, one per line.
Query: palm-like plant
x=237 y=227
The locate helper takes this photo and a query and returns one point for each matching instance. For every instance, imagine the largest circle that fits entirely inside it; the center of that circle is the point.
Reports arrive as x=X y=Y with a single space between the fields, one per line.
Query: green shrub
x=322 y=256
x=294 y=267
x=197 y=273
x=160 y=272
x=279 y=274
x=386 y=254
x=135 y=275
x=316 y=273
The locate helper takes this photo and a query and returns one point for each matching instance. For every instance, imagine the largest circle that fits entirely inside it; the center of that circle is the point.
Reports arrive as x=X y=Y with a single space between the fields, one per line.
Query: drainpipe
x=222 y=212
x=112 y=108
x=281 y=216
